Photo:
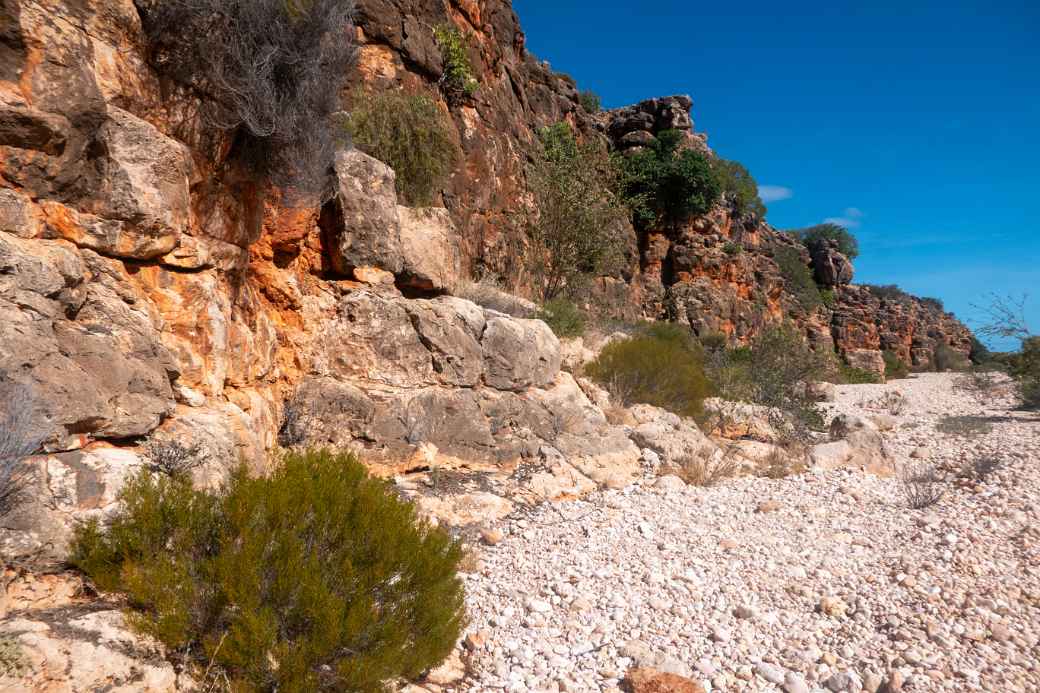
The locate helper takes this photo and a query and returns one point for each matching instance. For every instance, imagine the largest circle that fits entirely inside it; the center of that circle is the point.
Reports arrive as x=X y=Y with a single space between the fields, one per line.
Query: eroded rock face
x=430 y=246
x=830 y=267
x=361 y=226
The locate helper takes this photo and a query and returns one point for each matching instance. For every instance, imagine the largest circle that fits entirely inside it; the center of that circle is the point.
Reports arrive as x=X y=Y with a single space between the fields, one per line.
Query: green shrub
x=573 y=230
x=590 y=101
x=458 y=81
x=733 y=249
x=1027 y=372
x=946 y=359
x=828 y=297
x=798 y=277
x=895 y=368
x=563 y=317
x=316 y=578
x=666 y=185
x=850 y=375
x=980 y=353
x=410 y=134
x=773 y=372
x=739 y=187
x=813 y=236
x=888 y=292
x=662 y=366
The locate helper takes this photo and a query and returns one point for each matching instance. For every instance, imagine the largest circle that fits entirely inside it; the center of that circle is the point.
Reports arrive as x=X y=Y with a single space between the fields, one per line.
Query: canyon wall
x=149 y=292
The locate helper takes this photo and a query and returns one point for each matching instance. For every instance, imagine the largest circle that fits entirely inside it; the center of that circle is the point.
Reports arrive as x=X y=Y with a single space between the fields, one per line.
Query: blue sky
x=918 y=123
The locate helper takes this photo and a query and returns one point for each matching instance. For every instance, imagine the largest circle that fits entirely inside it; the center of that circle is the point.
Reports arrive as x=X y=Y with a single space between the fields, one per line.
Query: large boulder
x=871 y=360
x=830 y=266
x=361 y=226
x=854 y=442
x=451 y=329
x=519 y=353
x=430 y=246
x=673 y=438
x=83 y=648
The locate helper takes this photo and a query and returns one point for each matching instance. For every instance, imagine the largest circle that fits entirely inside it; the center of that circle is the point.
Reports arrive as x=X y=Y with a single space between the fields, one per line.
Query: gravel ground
x=822 y=581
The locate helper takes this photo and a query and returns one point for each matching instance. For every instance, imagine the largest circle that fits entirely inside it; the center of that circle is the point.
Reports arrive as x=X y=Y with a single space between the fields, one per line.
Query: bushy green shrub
x=662 y=366
x=590 y=101
x=813 y=236
x=272 y=73
x=980 y=353
x=733 y=249
x=895 y=368
x=316 y=578
x=409 y=133
x=664 y=184
x=828 y=297
x=773 y=372
x=574 y=229
x=850 y=375
x=458 y=80
x=739 y=187
x=564 y=318
x=798 y=277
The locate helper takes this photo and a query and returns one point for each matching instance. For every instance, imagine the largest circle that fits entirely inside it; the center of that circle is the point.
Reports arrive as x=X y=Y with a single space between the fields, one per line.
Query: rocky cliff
x=149 y=292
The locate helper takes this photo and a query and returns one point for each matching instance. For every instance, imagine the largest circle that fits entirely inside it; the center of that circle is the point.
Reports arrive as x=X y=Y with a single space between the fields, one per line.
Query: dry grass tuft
x=922 y=486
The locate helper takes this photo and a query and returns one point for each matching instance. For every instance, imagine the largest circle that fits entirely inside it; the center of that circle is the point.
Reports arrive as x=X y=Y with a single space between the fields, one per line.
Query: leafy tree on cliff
x=814 y=236
x=270 y=73
x=573 y=230
x=740 y=188
x=666 y=185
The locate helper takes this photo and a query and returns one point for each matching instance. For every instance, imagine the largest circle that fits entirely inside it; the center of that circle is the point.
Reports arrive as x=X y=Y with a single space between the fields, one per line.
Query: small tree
x=271 y=72
x=573 y=230
x=814 y=236
x=316 y=578
x=458 y=80
x=740 y=188
x=1006 y=319
x=665 y=184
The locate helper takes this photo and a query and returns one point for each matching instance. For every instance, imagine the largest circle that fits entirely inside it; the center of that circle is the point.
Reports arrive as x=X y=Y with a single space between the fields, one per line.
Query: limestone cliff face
x=147 y=290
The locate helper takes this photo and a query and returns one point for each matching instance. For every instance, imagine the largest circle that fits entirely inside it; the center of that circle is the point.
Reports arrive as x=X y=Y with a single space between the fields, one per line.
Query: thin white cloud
x=854 y=212
x=847 y=221
x=774 y=193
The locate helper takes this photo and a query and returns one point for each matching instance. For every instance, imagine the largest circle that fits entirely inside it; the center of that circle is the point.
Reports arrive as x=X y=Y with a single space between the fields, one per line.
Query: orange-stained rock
x=645 y=680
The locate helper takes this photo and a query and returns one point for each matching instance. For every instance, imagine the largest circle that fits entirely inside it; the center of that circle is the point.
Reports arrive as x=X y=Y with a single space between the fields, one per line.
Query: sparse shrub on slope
x=1027 y=372
x=798 y=277
x=740 y=188
x=273 y=71
x=317 y=578
x=661 y=366
x=458 y=80
x=814 y=236
x=946 y=359
x=590 y=101
x=564 y=318
x=20 y=437
x=895 y=368
x=410 y=134
x=887 y=292
x=773 y=372
x=666 y=185
x=850 y=375
x=573 y=230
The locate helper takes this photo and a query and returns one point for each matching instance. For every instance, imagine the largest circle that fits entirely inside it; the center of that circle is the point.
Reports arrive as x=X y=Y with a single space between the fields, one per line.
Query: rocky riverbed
x=820 y=581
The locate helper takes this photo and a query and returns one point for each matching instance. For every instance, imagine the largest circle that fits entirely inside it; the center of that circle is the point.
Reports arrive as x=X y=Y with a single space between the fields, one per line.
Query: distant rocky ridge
x=148 y=292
